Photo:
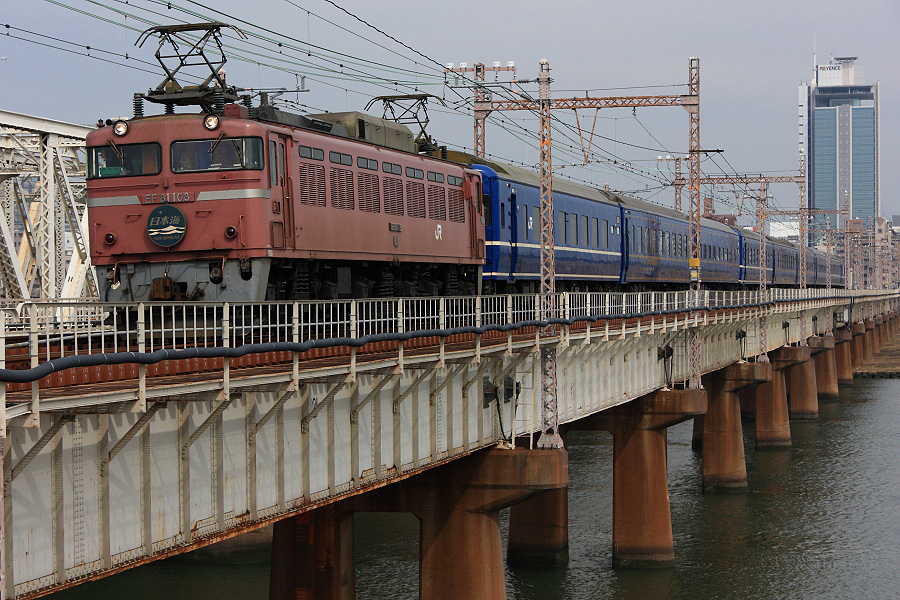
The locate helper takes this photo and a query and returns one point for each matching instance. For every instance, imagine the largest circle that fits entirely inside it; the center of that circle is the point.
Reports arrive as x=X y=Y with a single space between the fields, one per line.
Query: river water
x=821 y=520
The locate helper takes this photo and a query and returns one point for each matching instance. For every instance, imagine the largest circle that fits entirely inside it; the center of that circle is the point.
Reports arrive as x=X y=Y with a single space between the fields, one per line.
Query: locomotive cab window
x=225 y=154
x=126 y=160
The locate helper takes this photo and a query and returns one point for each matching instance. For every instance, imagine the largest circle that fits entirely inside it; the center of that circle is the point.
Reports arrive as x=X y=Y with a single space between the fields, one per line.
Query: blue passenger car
x=656 y=245
x=719 y=253
x=605 y=241
x=587 y=231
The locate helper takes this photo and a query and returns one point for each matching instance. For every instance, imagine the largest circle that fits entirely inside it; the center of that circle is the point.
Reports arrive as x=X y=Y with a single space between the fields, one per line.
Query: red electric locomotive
x=225 y=205
x=219 y=206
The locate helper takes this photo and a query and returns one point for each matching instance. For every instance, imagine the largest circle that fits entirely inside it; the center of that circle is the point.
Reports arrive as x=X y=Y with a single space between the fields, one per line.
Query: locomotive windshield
x=127 y=160
x=222 y=154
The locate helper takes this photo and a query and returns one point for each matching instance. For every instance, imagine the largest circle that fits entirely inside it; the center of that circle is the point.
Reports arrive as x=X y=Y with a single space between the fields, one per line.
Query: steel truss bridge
x=43 y=232
x=136 y=432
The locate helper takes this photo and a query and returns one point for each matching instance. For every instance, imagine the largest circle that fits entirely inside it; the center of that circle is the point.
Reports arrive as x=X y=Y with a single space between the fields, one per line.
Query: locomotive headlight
x=110 y=239
x=211 y=122
x=230 y=232
x=120 y=128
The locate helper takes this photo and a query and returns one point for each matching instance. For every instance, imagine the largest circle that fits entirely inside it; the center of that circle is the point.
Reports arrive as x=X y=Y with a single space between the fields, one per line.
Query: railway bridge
x=137 y=432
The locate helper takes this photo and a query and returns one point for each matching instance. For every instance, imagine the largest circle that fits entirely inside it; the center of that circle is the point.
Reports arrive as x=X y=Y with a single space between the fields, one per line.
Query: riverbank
x=884 y=365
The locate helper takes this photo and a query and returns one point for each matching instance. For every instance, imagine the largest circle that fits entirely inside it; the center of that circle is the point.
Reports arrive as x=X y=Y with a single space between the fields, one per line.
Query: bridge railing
x=38 y=331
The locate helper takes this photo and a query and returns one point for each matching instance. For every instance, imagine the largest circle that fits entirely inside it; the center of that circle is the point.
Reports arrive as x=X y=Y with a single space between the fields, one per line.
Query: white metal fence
x=53 y=329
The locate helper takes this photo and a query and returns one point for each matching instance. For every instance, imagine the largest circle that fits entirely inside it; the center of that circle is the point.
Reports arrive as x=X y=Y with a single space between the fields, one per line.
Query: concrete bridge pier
x=802 y=392
x=773 y=428
x=856 y=350
x=642 y=520
x=869 y=341
x=458 y=504
x=539 y=528
x=879 y=332
x=312 y=556
x=718 y=433
x=823 y=349
x=843 y=358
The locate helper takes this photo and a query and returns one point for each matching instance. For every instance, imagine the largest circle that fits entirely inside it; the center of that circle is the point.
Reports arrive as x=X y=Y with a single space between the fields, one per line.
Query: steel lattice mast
x=763 y=269
x=679 y=181
x=481 y=96
x=761 y=226
x=804 y=240
x=690 y=102
x=549 y=416
x=694 y=193
x=828 y=252
x=848 y=274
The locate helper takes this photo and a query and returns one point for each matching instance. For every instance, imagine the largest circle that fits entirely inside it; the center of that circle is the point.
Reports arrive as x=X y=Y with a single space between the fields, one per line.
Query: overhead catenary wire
x=614 y=161
x=283 y=61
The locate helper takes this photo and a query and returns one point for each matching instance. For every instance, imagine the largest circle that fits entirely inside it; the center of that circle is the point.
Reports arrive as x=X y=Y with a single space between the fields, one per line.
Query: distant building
x=726 y=219
x=839 y=134
x=786 y=230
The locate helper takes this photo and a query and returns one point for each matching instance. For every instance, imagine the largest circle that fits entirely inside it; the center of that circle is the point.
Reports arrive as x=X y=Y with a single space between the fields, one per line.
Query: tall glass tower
x=839 y=134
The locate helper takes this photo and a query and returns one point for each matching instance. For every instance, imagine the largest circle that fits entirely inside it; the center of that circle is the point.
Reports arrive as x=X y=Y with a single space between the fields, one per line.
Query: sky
x=753 y=55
